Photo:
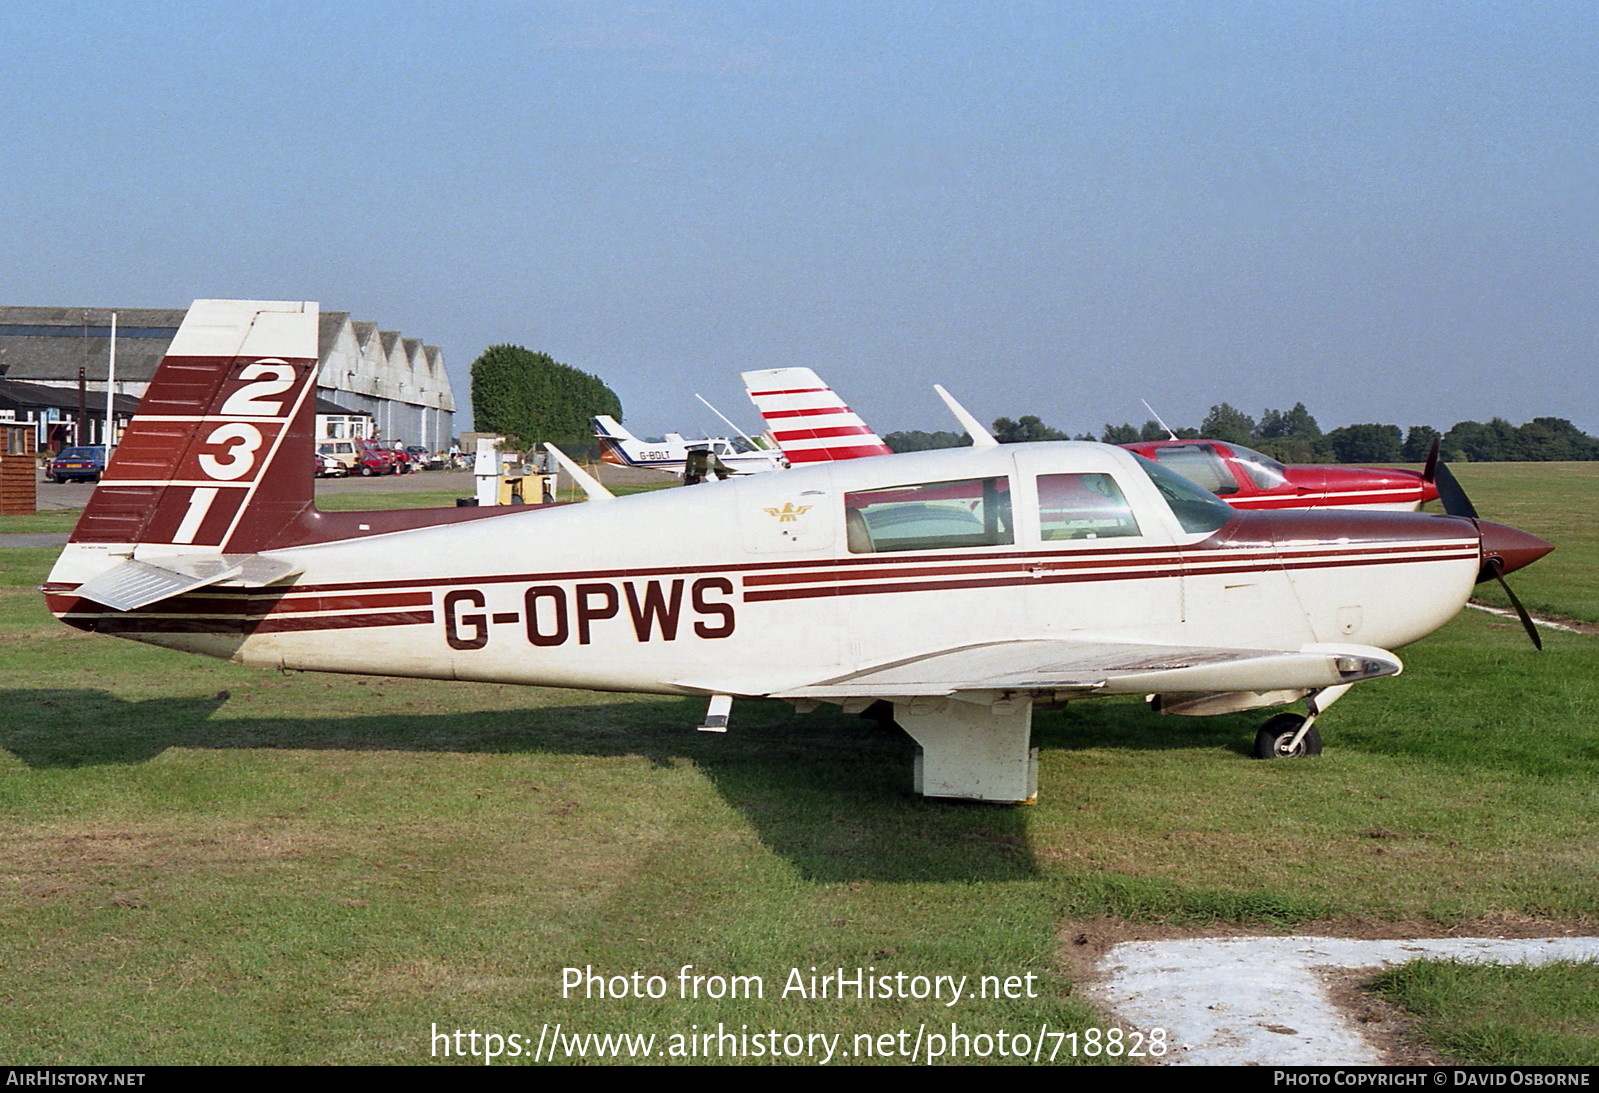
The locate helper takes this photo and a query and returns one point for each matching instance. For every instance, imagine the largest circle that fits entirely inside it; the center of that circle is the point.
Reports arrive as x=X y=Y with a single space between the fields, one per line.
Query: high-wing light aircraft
x=964 y=587
x=801 y=410
x=623 y=449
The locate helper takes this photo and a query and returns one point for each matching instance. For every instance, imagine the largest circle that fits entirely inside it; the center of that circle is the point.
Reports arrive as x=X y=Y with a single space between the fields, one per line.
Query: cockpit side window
x=975 y=512
x=1195 y=509
x=1264 y=471
x=1083 y=506
x=1200 y=464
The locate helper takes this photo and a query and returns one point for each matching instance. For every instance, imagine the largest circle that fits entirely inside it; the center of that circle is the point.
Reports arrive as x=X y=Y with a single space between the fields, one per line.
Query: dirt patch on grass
x=1384 y=1024
x=49 y=865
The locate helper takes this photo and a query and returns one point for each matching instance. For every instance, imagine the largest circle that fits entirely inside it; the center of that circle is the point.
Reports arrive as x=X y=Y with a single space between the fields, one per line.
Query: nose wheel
x=1287 y=736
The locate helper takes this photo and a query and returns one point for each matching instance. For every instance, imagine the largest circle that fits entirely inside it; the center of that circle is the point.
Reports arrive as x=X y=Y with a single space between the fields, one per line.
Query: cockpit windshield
x=1263 y=470
x=1197 y=510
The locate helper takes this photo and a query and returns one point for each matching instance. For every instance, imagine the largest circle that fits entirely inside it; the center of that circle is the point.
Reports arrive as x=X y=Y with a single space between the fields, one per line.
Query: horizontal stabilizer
x=135 y=584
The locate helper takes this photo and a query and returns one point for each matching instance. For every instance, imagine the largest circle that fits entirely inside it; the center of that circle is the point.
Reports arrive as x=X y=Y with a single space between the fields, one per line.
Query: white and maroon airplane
x=802 y=411
x=961 y=586
x=622 y=449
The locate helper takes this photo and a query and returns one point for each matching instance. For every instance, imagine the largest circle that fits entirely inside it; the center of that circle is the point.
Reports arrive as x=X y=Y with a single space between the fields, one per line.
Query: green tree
x=1296 y=423
x=531 y=398
x=1418 y=443
x=1365 y=443
x=1292 y=450
x=1494 y=442
x=1228 y=425
x=1123 y=434
x=1024 y=430
x=1291 y=436
x=1545 y=438
x=915 y=440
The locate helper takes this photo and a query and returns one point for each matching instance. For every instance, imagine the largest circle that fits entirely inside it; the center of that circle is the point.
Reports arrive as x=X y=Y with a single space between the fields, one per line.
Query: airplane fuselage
x=1246 y=479
x=760 y=585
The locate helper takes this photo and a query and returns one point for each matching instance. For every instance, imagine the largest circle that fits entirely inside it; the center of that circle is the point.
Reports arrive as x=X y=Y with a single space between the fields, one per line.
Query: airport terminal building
x=372 y=382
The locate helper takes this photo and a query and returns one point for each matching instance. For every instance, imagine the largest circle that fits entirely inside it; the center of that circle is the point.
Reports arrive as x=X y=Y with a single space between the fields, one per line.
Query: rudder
x=218 y=456
x=807 y=419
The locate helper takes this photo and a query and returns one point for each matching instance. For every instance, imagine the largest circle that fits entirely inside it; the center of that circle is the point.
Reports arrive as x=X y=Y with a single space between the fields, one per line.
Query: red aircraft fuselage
x=1246 y=479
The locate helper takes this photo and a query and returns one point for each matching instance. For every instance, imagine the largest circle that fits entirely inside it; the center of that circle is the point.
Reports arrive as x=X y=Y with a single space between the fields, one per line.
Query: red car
x=1246 y=479
x=371 y=460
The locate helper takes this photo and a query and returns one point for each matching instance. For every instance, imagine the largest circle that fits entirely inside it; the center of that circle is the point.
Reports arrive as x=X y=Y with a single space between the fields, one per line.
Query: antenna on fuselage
x=1158 y=420
x=747 y=439
x=590 y=485
x=981 y=437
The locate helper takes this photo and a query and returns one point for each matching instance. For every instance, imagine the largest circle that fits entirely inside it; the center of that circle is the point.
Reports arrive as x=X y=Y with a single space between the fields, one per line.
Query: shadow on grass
x=829 y=793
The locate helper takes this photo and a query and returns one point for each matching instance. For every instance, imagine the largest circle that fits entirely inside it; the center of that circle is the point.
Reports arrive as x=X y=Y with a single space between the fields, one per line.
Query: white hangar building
x=371 y=382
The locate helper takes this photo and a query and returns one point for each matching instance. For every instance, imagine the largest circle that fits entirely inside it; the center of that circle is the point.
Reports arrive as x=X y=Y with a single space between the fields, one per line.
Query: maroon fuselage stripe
x=1254 y=562
x=264 y=603
x=1263 y=558
x=243 y=625
x=812 y=592
x=248 y=617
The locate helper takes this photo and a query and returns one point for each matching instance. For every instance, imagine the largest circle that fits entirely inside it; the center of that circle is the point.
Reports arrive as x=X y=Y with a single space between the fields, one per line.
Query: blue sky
x=1384 y=210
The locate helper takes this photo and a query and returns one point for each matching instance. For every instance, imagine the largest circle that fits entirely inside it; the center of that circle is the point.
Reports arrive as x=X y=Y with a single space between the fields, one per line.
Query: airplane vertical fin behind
x=810 y=423
x=218 y=456
x=613 y=440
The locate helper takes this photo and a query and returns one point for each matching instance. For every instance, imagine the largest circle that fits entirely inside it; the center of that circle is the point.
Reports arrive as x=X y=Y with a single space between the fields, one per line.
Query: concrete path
x=1263 y=1001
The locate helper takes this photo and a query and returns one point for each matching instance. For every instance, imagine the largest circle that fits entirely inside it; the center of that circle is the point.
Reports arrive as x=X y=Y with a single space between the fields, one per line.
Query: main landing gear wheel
x=1274 y=737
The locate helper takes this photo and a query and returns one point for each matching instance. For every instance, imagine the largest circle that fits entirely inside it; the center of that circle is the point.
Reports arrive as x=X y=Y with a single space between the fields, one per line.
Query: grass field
x=1556 y=501
x=209 y=864
x=1487 y=1015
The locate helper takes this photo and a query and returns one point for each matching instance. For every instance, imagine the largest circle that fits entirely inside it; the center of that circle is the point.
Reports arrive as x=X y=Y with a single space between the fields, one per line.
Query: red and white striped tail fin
x=810 y=423
x=218 y=457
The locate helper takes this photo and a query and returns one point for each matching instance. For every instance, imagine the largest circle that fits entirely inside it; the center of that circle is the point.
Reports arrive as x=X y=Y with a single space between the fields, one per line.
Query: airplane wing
x=809 y=422
x=1096 y=667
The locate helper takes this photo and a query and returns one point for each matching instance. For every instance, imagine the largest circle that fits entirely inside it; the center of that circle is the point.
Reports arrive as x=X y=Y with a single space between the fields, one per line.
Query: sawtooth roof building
x=370 y=381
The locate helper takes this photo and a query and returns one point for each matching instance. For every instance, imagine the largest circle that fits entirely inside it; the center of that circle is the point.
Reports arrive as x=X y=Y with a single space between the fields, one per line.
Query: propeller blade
x=1429 y=473
x=1455 y=501
x=1526 y=620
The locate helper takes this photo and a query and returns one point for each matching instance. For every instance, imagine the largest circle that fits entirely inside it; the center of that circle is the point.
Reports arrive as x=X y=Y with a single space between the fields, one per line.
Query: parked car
x=421 y=458
x=78 y=465
x=371 y=460
x=328 y=466
x=345 y=451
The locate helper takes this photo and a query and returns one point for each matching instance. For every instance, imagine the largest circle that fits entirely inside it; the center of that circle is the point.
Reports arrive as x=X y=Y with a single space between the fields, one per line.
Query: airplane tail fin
x=808 y=421
x=218 y=457
x=613 y=438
